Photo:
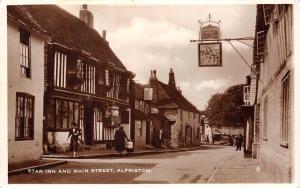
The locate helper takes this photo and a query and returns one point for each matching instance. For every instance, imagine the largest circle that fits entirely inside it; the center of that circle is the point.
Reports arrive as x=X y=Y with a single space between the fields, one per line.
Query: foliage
x=225 y=109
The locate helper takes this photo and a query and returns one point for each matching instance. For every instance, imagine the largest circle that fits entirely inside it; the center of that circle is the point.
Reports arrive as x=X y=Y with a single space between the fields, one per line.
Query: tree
x=225 y=109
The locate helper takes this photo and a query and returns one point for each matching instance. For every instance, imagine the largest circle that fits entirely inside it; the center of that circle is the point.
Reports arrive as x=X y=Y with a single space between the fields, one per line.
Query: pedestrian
x=74 y=133
x=239 y=142
x=120 y=136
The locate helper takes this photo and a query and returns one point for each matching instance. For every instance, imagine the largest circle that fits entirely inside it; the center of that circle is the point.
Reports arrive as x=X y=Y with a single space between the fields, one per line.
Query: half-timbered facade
x=85 y=82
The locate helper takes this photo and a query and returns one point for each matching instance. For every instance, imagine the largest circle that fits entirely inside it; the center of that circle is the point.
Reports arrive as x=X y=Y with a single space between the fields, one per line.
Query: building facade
x=271 y=135
x=142 y=122
x=84 y=81
x=25 y=54
x=181 y=128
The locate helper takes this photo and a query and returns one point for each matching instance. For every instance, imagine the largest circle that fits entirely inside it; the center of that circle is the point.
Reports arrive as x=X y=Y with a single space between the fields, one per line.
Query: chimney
x=104 y=37
x=104 y=34
x=172 y=82
x=179 y=90
x=153 y=75
x=86 y=16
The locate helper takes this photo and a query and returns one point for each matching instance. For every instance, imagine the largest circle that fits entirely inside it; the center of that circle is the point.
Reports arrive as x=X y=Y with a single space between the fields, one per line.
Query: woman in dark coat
x=120 y=136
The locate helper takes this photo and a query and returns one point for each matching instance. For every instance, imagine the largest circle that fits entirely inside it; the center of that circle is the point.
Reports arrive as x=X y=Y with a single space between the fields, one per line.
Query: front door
x=88 y=123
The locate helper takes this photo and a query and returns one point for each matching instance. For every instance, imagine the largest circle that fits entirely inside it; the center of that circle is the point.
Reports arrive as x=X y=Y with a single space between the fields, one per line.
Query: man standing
x=239 y=142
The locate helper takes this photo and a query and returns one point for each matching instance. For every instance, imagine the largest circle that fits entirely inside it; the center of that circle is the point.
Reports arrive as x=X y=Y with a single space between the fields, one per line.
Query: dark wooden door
x=147 y=132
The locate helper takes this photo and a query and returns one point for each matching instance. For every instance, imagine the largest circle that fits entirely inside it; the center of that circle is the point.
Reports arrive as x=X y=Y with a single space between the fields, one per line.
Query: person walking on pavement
x=239 y=142
x=120 y=136
x=74 y=133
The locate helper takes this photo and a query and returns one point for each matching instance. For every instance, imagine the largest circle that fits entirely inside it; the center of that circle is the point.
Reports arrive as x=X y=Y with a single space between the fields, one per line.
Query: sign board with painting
x=210 y=54
x=148 y=94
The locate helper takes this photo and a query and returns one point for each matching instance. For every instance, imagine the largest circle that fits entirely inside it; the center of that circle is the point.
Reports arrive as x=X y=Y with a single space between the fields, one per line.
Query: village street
x=196 y=166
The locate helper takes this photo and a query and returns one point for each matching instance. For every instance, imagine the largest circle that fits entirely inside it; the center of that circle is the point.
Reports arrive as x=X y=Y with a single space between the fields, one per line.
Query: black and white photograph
x=133 y=93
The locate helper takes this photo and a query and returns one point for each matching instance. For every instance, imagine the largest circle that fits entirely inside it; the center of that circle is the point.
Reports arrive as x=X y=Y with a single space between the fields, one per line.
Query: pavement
x=94 y=152
x=238 y=169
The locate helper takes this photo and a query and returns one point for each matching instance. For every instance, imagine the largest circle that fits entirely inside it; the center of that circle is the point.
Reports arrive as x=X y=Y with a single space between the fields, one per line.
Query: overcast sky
x=157 y=37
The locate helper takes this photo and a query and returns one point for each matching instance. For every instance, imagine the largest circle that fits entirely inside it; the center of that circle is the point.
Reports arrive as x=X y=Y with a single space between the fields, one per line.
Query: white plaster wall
x=186 y=120
x=19 y=151
x=274 y=158
x=140 y=141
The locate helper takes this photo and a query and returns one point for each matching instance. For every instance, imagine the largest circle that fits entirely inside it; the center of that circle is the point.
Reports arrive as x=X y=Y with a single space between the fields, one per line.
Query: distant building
x=141 y=115
x=81 y=80
x=270 y=128
x=182 y=126
x=25 y=56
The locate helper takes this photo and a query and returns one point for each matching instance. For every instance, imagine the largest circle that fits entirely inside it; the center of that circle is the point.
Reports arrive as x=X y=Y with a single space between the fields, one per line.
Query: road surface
x=179 y=167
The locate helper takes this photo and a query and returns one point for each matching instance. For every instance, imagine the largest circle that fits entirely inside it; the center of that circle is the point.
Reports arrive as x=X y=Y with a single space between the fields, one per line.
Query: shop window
x=24 y=126
x=25 y=52
x=62 y=113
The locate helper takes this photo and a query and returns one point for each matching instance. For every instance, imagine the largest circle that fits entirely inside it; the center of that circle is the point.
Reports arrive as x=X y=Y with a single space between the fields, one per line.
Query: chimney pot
x=172 y=82
x=104 y=34
x=86 y=16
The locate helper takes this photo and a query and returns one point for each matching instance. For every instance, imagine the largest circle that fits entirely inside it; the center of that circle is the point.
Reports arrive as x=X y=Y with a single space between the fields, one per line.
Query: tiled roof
x=66 y=29
x=177 y=98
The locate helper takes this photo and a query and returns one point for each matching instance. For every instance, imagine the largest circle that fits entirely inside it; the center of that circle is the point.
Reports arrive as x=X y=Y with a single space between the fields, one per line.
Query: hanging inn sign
x=209 y=49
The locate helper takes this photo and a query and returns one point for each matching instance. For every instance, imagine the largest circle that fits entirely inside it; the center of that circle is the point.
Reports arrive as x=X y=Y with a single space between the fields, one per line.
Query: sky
x=148 y=37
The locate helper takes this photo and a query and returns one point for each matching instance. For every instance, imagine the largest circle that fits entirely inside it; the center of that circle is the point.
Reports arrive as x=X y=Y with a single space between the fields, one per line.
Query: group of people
x=75 y=135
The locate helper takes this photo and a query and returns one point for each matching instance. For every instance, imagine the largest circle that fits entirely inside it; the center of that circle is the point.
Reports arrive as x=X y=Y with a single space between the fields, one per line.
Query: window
x=128 y=85
x=60 y=69
x=125 y=117
x=89 y=79
x=24 y=116
x=62 y=113
x=107 y=78
x=181 y=115
x=98 y=125
x=80 y=69
x=265 y=119
x=284 y=136
x=139 y=128
x=136 y=104
x=25 y=52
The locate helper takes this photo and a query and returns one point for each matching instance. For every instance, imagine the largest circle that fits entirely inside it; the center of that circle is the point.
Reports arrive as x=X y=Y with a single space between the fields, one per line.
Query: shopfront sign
x=154 y=111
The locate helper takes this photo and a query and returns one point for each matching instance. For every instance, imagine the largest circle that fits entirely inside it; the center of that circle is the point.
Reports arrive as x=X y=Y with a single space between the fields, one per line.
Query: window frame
x=265 y=118
x=107 y=77
x=27 y=67
x=30 y=127
x=60 y=68
x=286 y=112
